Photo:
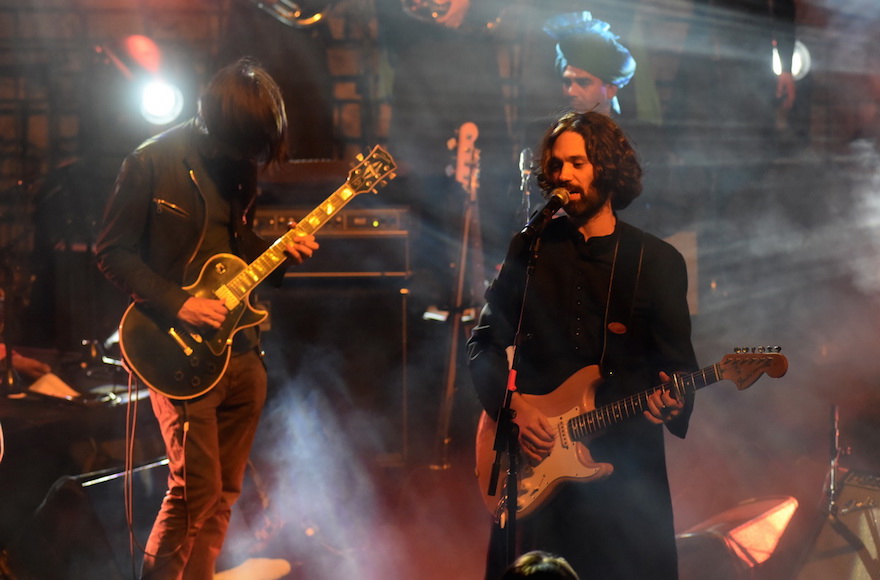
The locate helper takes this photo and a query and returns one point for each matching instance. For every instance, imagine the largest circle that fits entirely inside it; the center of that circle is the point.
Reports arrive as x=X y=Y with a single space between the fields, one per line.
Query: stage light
x=161 y=102
x=149 y=75
x=800 y=61
x=735 y=541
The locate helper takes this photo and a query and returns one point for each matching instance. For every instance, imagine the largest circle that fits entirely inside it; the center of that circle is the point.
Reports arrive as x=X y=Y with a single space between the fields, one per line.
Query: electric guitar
x=183 y=362
x=571 y=410
x=470 y=265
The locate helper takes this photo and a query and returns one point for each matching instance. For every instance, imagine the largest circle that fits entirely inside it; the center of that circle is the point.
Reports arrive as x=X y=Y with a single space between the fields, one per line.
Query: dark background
x=351 y=467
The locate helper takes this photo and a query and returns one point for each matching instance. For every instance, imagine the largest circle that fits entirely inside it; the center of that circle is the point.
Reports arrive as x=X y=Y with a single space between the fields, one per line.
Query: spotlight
x=161 y=102
x=800 y=61
x=148 y=72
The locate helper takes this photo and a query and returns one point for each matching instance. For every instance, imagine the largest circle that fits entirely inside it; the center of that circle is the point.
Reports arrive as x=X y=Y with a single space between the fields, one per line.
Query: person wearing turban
x=592 y=63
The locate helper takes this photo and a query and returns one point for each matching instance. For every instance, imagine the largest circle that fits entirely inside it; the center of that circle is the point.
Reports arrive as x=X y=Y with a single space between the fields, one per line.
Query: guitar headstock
x=467 y=157
x=746 y=365
x=372 y=171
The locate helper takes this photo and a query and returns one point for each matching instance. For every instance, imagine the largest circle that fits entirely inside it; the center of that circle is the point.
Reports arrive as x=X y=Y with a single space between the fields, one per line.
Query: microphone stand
x=507 y=432
x=835 y=461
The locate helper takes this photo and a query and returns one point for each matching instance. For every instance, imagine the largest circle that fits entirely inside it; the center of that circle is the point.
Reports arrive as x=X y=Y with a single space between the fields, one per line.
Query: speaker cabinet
x=80 y=532
x=343 y=343
x=848 y=541
x=338 y=325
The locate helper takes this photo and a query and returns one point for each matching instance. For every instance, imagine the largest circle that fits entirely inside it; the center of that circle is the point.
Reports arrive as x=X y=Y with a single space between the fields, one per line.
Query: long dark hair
x=615 y=163
x=242 y=107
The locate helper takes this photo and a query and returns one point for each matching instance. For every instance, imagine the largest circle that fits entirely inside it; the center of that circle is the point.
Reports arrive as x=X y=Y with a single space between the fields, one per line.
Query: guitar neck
x=268 y=261
x=599 y=419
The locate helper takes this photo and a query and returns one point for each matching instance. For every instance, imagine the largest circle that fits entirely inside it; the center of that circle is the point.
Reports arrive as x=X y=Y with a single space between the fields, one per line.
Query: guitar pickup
x=228 y=298
x=562 y=430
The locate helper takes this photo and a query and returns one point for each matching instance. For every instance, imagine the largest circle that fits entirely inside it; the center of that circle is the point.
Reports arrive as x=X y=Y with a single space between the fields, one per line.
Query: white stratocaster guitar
x=571 y=409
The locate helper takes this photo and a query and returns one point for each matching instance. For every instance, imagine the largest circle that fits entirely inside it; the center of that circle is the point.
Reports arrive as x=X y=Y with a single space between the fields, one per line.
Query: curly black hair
x=616 y=166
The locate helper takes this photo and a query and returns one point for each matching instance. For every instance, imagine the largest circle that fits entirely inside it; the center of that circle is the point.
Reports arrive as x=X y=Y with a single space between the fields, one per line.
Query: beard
x=586 y=206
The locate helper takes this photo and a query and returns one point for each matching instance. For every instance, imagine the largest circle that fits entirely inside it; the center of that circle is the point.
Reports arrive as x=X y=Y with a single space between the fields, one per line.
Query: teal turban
x=588 y=44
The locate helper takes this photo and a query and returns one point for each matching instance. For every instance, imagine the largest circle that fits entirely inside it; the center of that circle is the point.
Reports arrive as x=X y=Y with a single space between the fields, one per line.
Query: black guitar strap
x=625 y=269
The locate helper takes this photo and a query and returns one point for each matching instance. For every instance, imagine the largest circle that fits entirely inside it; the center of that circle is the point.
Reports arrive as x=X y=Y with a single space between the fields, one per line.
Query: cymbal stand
x=834 y=466
x=829 y=512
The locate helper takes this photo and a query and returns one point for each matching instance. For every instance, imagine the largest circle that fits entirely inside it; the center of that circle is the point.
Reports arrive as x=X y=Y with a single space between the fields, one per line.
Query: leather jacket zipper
x=162 y=205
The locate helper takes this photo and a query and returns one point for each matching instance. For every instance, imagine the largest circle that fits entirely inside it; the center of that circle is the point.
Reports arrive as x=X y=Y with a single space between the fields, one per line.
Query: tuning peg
x=758 y=349
x=359 y=157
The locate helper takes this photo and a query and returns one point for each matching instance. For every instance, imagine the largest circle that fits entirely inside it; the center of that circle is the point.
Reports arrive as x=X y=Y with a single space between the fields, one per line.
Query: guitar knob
x=220 y=268
x=194 y=361
x=178 y=376
x=196 y=382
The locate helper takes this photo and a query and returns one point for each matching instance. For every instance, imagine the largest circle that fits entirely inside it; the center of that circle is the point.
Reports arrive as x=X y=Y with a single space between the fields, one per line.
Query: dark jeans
x=207 y=464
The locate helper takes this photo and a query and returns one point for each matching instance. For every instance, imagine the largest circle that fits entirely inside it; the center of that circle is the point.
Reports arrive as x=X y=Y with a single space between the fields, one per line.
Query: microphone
x=525 y=157
x=525 y=171
x=558 y=198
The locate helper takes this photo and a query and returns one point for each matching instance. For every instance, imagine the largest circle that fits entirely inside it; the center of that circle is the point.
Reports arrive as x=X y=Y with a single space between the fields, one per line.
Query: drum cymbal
x=117 y=394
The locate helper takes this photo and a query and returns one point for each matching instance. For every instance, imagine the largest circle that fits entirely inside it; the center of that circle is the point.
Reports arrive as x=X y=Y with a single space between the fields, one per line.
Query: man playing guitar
x=180 y=199
x=605 y=295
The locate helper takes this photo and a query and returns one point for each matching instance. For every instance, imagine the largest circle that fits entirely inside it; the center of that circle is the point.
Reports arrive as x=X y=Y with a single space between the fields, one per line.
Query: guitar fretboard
x=365 y=177
x=259 y=269
x=599 y=419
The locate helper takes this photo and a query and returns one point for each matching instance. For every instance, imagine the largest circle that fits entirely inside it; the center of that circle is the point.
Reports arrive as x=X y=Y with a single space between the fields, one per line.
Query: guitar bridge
x=177 y=338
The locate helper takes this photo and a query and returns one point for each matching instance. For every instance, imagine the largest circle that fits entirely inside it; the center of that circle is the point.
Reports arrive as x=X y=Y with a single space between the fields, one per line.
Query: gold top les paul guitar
x=570 y=408
x=183 y=362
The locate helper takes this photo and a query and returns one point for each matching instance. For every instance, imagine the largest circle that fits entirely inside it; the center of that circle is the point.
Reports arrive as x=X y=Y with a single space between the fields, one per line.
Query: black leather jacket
x=155 y=220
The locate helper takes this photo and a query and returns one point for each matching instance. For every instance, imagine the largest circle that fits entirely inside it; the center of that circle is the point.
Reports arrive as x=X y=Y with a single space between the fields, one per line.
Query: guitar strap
x=625 y=269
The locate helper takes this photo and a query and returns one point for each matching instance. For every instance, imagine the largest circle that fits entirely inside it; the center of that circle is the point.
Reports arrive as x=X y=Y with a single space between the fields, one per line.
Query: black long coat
x=620 y=527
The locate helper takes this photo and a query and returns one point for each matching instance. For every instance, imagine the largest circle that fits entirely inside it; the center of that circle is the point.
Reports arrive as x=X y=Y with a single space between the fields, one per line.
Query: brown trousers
x=207 y=463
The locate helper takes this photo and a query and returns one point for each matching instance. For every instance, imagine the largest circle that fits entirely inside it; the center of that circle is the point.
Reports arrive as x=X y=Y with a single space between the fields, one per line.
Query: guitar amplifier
x=355 y=243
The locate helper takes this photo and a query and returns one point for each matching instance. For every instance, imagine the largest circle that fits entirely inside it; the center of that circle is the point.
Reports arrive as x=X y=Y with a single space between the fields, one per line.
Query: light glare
x=161 y=103
x=800 y=61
